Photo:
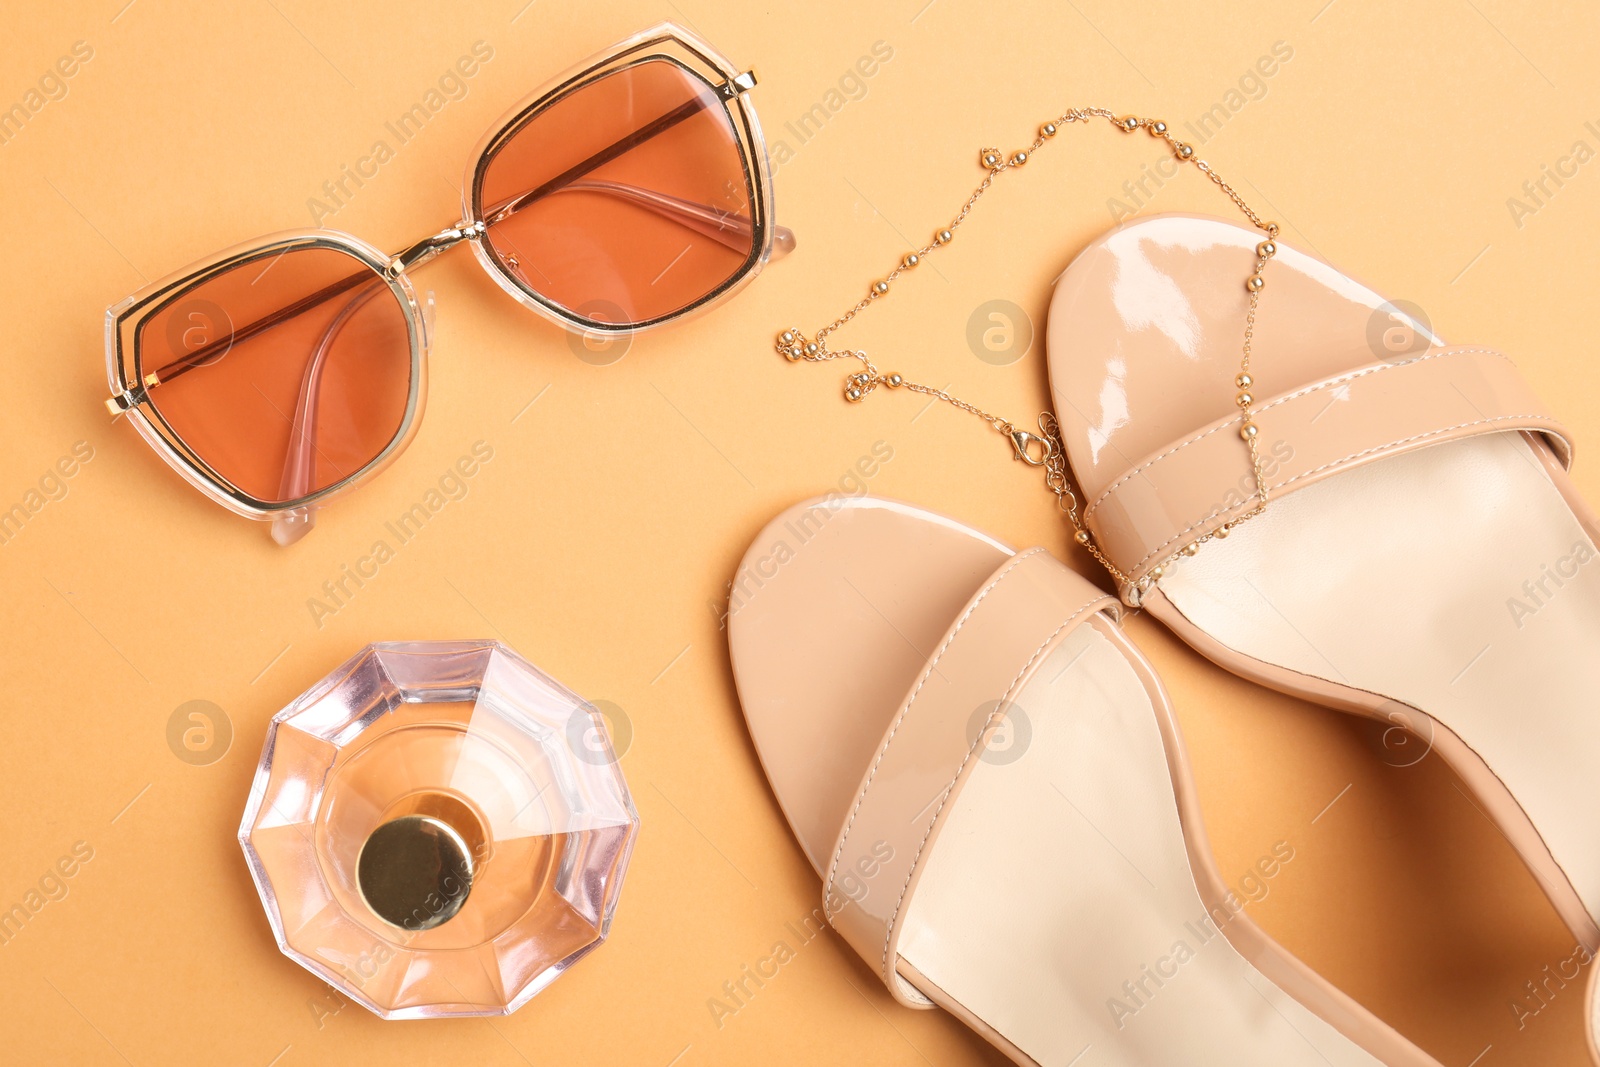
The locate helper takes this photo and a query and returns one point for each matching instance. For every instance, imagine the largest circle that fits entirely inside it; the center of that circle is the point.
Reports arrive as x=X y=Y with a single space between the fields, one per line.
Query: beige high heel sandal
x=1056 y=894
x=1423 y=557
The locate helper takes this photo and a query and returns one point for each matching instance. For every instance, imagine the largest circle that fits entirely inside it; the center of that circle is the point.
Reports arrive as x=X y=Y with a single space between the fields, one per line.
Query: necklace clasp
x=1023 y=443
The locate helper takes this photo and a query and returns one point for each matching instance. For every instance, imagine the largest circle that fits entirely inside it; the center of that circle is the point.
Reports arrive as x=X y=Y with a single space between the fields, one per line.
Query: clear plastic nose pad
x=289 y=526
x=427 y=320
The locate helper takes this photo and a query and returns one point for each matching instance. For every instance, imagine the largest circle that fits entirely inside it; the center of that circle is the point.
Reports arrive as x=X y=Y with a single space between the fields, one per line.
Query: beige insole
x=1059 y=907
x=1454 y=579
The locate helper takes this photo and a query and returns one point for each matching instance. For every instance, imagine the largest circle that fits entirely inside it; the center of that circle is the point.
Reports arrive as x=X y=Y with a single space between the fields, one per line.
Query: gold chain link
x=1045 y=449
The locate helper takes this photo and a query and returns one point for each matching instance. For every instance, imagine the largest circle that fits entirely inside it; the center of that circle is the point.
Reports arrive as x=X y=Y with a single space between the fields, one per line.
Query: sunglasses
x=628 y=193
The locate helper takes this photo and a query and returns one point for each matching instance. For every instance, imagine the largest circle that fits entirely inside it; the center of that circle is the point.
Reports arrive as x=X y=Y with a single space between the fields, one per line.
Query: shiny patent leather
x=989 y=781
x=1424 y=555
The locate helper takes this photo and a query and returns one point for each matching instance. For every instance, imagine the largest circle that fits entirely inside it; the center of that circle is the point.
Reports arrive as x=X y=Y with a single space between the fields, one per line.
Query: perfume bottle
x=438 y=829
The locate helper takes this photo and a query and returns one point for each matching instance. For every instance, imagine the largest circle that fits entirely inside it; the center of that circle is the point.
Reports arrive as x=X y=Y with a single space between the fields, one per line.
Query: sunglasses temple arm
x=299 y=462
x=714 y=223
x=726 y=227
x=214 y=349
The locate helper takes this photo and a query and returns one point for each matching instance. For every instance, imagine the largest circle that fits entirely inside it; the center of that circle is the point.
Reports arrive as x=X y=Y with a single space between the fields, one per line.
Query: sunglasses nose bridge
x=425 y=249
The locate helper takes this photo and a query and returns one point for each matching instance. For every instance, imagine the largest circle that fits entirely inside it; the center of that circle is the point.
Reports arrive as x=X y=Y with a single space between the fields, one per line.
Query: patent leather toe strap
x=959 y=699
x=1194 y=486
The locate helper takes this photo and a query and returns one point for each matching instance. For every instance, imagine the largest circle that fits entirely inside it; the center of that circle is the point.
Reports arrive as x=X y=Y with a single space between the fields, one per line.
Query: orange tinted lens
x=626 y=200
x=285 y=374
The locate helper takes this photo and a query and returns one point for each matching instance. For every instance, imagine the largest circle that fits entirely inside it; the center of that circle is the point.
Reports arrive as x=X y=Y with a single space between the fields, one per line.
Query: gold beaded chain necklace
x=1045 y=448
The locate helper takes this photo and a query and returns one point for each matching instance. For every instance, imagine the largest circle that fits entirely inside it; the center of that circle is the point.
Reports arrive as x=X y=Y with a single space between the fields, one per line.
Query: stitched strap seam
x=1332 y=383
x=1219 y=512
x=949 y=788
x=883 y=749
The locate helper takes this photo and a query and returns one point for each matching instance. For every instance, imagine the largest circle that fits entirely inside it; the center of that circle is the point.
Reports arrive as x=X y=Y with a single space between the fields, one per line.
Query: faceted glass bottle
x=438 y=829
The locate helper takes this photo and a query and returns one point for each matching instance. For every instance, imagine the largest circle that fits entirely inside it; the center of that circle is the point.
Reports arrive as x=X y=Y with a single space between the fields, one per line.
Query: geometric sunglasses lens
x=285 y=374
x=623 y=202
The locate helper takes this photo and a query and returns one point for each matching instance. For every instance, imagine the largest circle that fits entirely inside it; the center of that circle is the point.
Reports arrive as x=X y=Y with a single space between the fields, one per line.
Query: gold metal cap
x=415 y=872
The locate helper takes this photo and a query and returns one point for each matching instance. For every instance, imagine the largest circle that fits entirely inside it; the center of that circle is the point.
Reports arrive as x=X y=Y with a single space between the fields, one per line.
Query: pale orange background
x=598 y=539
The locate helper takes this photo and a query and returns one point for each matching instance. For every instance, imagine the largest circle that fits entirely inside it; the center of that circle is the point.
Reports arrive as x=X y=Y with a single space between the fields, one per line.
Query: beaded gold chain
x=1044 y=449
